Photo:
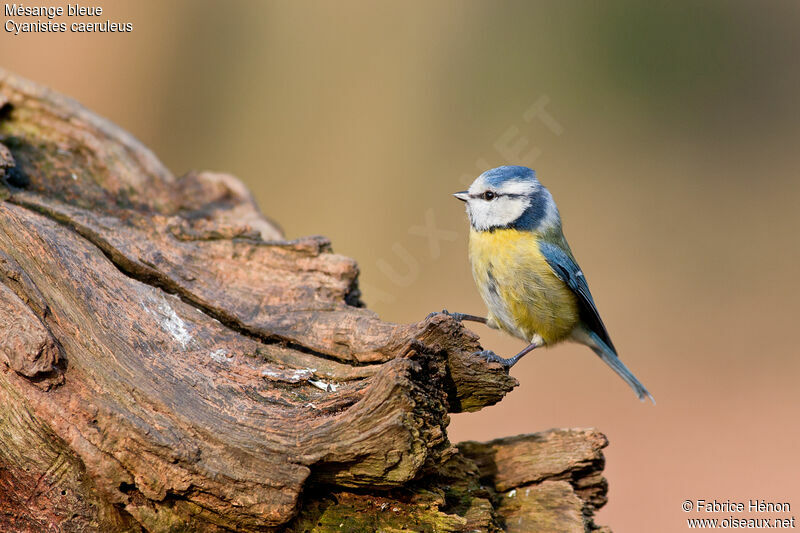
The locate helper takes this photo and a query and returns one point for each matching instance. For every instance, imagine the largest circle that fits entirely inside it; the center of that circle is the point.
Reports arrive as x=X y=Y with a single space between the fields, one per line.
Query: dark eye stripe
x=495 y=195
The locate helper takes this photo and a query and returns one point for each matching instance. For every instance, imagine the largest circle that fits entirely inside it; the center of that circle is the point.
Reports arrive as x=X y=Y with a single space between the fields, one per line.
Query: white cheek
x=506 y=210
x=499 y=212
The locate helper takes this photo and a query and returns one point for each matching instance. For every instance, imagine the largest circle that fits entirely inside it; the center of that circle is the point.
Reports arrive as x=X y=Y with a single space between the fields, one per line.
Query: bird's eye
x=489 y=195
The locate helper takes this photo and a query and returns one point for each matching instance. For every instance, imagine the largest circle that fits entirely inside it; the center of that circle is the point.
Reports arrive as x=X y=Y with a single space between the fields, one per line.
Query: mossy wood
x=169 y=363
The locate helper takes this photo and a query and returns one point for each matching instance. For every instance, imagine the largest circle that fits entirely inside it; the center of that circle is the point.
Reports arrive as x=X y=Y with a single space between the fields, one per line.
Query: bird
x=526 y=273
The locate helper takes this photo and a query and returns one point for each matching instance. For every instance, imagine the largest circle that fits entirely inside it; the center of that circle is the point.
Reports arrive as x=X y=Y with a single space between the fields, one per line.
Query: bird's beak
x=463 y=196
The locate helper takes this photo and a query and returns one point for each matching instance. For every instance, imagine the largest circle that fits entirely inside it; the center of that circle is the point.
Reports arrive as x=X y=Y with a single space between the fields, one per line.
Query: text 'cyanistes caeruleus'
x=525 y=271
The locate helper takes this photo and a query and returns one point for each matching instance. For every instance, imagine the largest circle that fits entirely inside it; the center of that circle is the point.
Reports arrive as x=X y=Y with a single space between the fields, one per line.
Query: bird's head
x=509 y=197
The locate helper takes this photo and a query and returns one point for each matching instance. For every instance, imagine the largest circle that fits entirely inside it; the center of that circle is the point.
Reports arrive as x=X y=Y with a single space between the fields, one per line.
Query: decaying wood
x=169 y=363
x=550 y=481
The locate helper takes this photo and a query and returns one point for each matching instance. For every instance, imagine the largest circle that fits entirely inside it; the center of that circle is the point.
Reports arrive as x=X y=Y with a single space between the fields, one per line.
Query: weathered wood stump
x=169 y=363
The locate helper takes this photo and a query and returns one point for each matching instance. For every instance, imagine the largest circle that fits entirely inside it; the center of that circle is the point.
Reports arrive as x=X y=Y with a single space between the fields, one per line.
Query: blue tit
x=526 y=273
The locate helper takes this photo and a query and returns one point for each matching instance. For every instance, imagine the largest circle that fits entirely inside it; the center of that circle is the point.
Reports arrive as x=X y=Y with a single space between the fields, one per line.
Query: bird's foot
x=494 y=358
x=458 y=317
x=431 y=315
x=461 y=317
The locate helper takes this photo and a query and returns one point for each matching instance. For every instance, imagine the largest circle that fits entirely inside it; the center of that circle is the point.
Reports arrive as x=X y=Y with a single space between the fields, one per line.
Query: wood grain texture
x=545 y=478
x=169 y=362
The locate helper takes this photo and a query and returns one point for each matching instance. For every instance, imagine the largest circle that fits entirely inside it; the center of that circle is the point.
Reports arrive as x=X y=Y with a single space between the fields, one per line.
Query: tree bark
x=171 y=363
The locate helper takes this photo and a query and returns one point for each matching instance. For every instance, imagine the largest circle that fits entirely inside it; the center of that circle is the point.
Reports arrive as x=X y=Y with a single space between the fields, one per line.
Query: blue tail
x=611 y=359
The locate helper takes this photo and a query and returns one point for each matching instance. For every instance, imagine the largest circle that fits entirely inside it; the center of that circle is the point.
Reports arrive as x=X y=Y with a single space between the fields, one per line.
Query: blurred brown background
x=670 y=140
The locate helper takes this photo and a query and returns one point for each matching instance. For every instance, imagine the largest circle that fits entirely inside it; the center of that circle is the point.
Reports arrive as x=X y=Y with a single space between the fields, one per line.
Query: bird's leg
x=460 y=317
x=511 y=361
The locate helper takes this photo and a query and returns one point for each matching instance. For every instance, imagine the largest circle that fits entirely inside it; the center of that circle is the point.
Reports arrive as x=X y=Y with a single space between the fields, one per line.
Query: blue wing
x=568 y=271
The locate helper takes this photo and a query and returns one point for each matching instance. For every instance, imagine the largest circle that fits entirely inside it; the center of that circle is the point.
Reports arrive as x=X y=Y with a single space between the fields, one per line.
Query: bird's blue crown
x=497 y=176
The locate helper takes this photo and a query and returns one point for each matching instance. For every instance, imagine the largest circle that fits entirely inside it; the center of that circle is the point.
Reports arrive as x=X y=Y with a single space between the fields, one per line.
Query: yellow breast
x=523 y=295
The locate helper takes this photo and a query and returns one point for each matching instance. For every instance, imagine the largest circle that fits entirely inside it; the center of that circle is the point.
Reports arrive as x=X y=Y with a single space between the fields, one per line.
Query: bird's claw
x=458 y=317
x=492 y=357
